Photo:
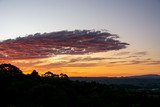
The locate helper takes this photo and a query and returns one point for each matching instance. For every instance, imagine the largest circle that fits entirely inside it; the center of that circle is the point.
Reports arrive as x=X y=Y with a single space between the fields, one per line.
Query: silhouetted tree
x=63 y=76
x=9 y=69
x=34 y=73
x=50 y=74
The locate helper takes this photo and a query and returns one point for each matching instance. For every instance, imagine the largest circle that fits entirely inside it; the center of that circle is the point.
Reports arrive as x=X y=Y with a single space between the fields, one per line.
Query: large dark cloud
x=58 y=43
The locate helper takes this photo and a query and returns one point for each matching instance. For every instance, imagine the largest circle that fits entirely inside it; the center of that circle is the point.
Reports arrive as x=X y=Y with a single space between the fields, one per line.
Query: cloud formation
x=58 y=43
x=141 y=53
x=122 y=53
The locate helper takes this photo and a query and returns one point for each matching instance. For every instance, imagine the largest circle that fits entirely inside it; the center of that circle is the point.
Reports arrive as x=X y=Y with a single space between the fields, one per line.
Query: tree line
x=50 y=90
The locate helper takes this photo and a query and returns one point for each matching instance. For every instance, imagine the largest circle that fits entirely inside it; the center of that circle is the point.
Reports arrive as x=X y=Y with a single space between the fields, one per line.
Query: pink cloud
x=58 y=43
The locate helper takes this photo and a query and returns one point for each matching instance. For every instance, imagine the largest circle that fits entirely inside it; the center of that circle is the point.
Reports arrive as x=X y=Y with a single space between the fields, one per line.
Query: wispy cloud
x=87 y=59
x=58 y=43
x=50 y=63
x=141 y=53
x=122 y=53
x=67 y=64
x=154 y=62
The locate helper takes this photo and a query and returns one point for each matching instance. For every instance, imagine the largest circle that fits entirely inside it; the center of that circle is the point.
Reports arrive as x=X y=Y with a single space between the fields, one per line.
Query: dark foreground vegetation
x=51 y=90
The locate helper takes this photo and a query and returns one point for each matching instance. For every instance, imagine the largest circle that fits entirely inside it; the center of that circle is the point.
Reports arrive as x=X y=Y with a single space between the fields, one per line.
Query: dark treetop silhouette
x=49 y=90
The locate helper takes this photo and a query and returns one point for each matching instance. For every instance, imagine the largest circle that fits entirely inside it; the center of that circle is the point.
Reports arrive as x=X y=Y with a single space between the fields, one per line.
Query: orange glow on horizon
x=92 y=65
x=100 y=71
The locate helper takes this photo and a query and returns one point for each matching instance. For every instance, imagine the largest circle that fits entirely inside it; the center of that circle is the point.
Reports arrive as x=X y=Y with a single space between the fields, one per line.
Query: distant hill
x=149 y=81
x=146 y=76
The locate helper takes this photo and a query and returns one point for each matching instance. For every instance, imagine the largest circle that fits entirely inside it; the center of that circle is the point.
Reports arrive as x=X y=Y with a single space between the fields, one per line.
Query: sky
x=135 y=22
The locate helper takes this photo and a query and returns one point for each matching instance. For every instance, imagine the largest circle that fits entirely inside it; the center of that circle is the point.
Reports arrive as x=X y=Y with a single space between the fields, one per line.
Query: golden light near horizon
x=104 y=64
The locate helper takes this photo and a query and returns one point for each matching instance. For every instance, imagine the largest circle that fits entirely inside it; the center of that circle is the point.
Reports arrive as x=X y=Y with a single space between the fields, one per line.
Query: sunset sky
x=81 y=37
